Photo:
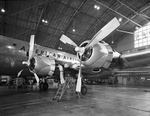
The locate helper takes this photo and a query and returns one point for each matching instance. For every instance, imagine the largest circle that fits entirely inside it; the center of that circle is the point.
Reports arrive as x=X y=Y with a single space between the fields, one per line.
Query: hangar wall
x=126 y=44
x=134 y=80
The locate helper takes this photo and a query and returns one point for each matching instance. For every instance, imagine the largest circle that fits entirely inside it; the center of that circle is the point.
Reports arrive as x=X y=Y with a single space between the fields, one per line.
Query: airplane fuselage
x=13 y=52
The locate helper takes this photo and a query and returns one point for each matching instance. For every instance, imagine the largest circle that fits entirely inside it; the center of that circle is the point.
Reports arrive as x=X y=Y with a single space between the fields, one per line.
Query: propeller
x=68 y=41
x=27 y=63
x=31 y=48
x=100 y=35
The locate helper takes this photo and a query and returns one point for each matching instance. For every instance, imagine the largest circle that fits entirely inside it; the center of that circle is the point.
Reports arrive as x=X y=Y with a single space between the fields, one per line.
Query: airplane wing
x=130 y=71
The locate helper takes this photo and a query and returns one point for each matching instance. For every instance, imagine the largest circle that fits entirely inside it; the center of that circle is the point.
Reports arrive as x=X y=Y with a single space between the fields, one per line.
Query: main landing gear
x=83 y=90
x=43 y=85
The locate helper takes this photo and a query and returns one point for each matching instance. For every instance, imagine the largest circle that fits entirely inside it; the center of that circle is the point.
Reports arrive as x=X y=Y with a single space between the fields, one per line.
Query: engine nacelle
x=43 y=65
x=98 y=56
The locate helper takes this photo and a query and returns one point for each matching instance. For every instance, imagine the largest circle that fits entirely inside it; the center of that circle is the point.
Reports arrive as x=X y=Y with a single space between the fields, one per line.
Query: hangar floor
x=101 y=100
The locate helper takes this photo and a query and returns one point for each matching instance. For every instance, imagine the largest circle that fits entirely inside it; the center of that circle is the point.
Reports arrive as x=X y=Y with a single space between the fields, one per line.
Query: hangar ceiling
x=25 y=17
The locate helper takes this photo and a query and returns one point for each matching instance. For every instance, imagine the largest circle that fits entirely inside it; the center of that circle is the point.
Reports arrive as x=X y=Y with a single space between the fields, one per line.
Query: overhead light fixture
x=44 y=21
x=120 y=19
x=97 y=7
x=2 y=10
x=73 y=30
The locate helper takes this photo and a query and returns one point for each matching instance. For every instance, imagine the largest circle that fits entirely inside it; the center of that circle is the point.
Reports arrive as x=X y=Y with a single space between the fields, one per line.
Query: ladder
x=69 y=82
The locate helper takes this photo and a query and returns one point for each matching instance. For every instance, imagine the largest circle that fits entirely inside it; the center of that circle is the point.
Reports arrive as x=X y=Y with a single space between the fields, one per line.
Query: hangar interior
x=79 y=20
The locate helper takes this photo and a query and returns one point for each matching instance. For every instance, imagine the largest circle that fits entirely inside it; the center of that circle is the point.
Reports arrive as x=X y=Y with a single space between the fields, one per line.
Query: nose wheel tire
x=83 y=90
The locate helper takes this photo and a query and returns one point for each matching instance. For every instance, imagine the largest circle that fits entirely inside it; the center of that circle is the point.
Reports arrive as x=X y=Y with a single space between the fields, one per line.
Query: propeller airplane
x=92 y=57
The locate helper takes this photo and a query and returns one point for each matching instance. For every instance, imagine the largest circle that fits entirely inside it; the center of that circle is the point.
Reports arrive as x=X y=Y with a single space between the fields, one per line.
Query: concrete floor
x=101 y=100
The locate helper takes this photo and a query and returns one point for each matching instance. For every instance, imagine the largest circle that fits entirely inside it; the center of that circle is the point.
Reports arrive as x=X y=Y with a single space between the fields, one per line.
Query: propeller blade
x=105 y=31
x=36 y=77
x=78 y=86
x=31 y=48
x=67 y=40
x=19 y=73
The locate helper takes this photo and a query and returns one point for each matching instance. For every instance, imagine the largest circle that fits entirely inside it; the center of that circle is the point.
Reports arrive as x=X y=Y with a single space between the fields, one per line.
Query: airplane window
x=50 y=53
x=42 y=52
x=58 y=56
x=54 y=55
x=14 y=44
x=46 y=53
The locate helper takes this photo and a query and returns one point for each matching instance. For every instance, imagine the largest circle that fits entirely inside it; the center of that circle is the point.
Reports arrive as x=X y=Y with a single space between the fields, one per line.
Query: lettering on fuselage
x=39 y=52
x=23 y=48
x=42 y=52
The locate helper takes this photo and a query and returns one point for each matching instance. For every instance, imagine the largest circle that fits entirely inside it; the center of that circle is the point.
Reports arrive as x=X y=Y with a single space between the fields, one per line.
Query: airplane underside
x=43 y=85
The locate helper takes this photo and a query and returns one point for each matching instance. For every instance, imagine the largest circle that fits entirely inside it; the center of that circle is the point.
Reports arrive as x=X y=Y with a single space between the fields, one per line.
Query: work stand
x=69 y=83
